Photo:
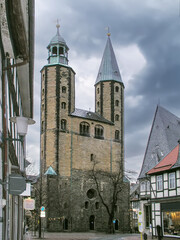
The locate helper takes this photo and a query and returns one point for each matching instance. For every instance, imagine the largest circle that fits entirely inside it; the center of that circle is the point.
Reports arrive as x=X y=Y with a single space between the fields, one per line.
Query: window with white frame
x=148 y=186
x=159 y=183
x=172 y=180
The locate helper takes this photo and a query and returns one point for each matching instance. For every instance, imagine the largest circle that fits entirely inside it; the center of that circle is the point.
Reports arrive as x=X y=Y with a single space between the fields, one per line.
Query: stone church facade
x=74 y=140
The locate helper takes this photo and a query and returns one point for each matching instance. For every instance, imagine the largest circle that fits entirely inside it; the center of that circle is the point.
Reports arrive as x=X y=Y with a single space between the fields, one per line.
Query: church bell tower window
x=54 y=51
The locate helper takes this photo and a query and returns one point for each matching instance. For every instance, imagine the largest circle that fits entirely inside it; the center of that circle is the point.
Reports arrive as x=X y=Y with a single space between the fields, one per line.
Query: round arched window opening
x=91 y=193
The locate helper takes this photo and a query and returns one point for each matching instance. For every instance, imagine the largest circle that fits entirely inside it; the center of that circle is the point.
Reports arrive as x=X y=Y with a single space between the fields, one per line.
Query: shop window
x=63 y=105
x=171 y=222
x=99 y=131
x=63 y=89
x=84 y=128
x=172 y=180
x=159 y=183
x=63 y=124
x=117 y=135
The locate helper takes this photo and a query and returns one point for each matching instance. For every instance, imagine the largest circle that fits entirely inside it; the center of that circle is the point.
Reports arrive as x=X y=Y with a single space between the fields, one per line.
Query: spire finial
x=58 y=26
x=108 y=32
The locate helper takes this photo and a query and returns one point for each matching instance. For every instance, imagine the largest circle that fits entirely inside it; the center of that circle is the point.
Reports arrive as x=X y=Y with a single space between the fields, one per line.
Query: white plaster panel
x=153 y=186
x=157 y=206
x=153 y=179
x=152 y=195
x=165 y=193
x=165 y=185
x=165 y=176
x=178 y=182
x=172 y=193
x=157 y=213
x=152 y=215
x=159 y=194
x=158 y=220
x=178 y=173
x=178 y=191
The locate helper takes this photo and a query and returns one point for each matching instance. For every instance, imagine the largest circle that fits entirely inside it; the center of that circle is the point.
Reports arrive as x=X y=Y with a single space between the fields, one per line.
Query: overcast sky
x=145 y=35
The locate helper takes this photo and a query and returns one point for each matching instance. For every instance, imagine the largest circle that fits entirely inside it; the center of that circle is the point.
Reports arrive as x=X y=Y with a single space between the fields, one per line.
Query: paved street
x=87 y=236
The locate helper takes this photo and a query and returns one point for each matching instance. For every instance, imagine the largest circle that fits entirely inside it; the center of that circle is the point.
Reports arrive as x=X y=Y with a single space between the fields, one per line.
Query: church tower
x=57 y=99
x=109 y=93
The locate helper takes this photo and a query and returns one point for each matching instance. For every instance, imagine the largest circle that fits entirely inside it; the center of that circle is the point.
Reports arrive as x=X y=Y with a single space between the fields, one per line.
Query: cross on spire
x=58 y=26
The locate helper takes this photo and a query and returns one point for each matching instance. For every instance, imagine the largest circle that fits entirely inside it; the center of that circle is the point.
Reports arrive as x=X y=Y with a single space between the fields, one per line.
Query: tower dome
x=57 y=49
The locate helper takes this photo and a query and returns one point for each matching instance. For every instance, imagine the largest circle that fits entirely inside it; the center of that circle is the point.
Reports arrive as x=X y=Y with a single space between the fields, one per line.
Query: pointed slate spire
x=108 y=70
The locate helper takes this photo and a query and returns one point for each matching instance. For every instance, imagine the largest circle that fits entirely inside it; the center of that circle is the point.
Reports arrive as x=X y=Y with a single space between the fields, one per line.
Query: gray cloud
x=152 y=26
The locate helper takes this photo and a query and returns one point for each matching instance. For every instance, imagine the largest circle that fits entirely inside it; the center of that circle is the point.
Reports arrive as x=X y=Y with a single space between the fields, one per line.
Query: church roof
x=108 y=70
x=89 y=115
x=164 y=135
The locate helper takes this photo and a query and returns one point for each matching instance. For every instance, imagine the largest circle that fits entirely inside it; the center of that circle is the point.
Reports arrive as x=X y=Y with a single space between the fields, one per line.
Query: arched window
x=117 y=89
x=54 y=51
x=84 y=128
x=63 y=105
x=116 y=103
x=86 y=205
x=117 y=117
x=97 y=205
x=42 y=126
x=65 y=224
x=117 y=135
x=97 y=90
x=97 y=104
x=92 y=157
x=63 y=124
x=99 y=131
x=63 y=89
x=61 y=51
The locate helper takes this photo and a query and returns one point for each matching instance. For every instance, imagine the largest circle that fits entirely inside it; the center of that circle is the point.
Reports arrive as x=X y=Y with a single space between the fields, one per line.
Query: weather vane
x=108 y=31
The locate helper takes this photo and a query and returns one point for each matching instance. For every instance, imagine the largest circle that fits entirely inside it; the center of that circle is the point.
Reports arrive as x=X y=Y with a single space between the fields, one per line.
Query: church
x=76 y=143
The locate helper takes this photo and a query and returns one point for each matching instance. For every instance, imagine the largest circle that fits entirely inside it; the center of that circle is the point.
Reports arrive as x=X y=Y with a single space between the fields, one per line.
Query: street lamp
x=22 y=126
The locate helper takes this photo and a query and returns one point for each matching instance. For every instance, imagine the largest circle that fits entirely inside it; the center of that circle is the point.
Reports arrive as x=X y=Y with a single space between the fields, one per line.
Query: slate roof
x=166 y=163
x=108 y=70
x=89 y=115
x=164 y=135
